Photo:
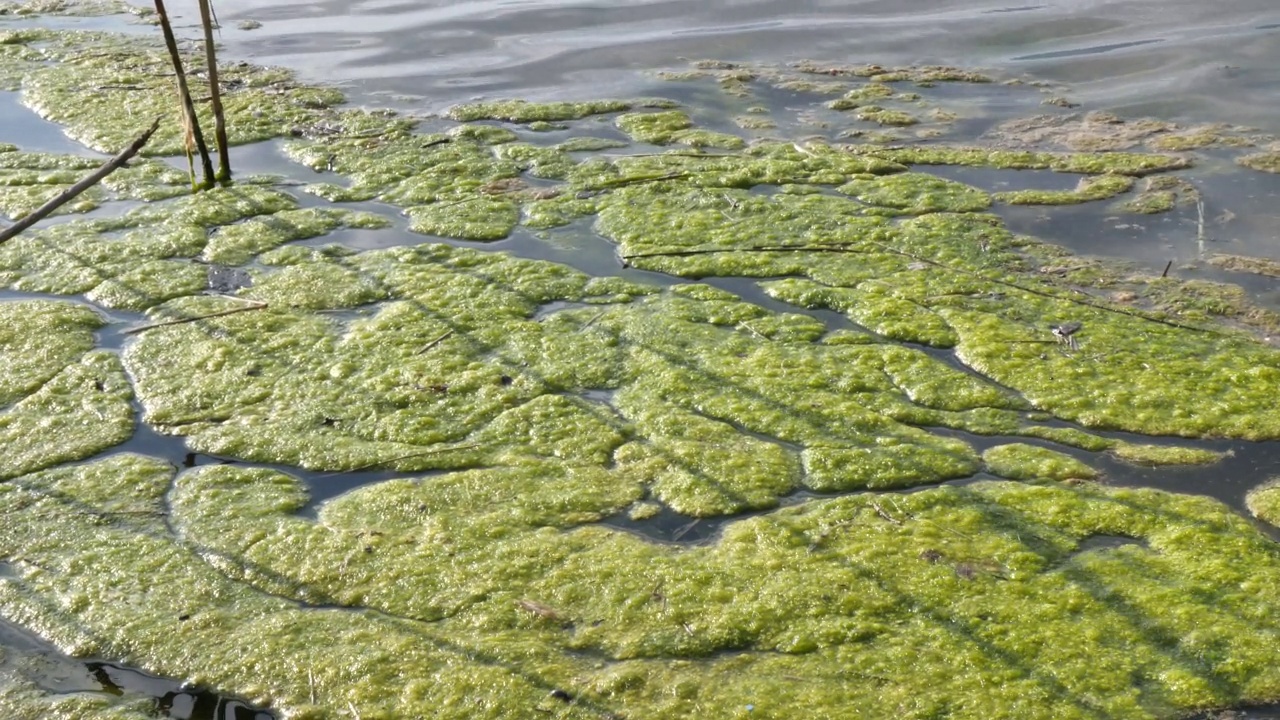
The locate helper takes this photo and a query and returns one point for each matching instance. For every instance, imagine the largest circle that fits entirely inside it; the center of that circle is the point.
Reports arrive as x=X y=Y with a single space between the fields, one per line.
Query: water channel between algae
x=898 y=414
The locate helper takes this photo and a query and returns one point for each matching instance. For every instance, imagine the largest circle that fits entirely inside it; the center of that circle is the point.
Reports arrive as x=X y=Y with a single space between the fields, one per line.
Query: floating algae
x=1264 y=502
x=1020 y=461
x=539 y=404
x=515 y=600
x=65 y=401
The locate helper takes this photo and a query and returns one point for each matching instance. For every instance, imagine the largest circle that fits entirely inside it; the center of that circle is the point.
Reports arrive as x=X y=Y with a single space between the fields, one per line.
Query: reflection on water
x=37 y=662
x=1180 y=59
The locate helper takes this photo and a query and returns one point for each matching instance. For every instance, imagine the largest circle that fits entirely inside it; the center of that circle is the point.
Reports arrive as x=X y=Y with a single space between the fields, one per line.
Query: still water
x=1180 y=60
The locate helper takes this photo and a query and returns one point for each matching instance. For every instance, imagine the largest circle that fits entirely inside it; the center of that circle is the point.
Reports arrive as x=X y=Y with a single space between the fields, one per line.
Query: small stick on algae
x=592 y=321
x=435 y=342
x=376 y=463
x=882 y=513
x=178 y=321
x=675 y=537
x=536 y=608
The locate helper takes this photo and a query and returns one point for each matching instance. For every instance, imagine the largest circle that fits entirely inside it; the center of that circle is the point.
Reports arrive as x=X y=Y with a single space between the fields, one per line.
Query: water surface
x=1178 y=59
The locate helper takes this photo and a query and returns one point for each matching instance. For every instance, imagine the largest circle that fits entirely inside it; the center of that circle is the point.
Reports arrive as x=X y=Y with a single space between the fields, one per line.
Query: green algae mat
x=894 y=413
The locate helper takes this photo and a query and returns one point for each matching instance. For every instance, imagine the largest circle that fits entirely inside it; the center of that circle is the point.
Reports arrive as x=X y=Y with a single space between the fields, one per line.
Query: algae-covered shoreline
x=530 y=411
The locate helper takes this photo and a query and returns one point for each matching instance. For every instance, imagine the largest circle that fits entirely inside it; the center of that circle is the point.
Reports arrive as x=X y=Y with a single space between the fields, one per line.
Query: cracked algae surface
x=501 y=606
x=532 y=410
x=63 y=400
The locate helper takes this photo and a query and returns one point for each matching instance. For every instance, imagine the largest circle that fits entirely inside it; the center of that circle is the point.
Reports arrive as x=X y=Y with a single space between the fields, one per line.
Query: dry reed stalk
x=191 y=122
x=207 y=20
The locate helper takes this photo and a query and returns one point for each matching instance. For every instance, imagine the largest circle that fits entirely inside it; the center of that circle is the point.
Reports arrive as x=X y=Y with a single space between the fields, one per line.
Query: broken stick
x=111 y=166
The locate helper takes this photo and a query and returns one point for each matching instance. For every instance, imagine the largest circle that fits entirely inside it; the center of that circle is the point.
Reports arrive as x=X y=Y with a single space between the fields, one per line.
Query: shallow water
x=1179 y=59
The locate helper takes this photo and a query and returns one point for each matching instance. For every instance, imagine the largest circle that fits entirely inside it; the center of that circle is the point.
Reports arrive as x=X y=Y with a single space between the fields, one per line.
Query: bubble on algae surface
x=534 y=404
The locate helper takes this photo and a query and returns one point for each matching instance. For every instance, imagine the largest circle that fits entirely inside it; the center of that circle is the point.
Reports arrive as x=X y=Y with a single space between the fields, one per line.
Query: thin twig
x=882 y=513
x=376 y=463
x=1042 y=293
x=695 y=155
x=109 y=167
x=435 y=342
x=452 y=203
x=636 y=180
x=1166 y=269
x=682 y=531
x=592 y=321
x=848 y=248
x=1200 y=236
x=255 y=306
x=852 y=248
x=755 y=332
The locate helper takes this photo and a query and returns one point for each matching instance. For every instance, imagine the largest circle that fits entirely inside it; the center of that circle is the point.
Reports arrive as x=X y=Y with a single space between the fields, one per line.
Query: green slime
x=547 y=404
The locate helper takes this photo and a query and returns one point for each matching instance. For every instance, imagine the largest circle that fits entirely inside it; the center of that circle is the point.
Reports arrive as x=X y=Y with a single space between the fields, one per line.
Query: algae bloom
x=761 y=427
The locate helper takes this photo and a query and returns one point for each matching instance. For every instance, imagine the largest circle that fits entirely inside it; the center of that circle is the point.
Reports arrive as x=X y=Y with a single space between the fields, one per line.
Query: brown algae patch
x=894 y=98
x=1264 y=161
x=1102 y=131
x=1245 y=264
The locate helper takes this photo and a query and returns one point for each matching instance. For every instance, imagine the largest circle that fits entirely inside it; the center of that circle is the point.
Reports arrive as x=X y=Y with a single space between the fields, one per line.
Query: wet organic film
x=627 y=408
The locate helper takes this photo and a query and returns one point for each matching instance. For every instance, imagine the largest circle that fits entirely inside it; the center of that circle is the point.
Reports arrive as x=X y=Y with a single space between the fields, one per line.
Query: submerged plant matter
x=887 y=333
